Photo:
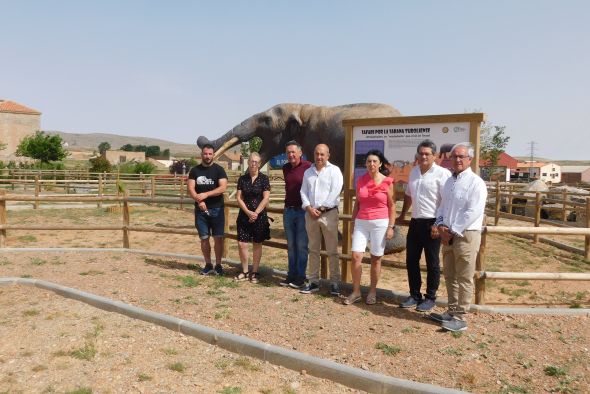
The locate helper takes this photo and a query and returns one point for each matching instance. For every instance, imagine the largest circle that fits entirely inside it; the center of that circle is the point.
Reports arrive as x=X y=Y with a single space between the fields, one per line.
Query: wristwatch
x=392 y=227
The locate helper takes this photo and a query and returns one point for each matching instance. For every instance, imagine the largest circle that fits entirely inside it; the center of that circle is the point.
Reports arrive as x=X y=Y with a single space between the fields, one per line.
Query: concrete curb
x=343 y=374
x=383 y=293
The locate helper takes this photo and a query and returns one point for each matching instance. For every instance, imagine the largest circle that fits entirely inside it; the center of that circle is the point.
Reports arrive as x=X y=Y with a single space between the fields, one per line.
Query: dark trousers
x=419 y=239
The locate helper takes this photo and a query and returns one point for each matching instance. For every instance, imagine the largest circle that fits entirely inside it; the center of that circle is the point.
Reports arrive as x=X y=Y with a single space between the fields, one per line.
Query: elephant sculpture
x=309 y=125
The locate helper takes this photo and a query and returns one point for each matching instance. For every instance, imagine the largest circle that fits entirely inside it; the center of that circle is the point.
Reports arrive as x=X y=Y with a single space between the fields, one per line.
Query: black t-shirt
x=207 y=179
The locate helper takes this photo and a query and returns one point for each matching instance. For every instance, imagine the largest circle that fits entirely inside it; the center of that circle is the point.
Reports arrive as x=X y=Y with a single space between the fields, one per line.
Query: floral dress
x=252 y=195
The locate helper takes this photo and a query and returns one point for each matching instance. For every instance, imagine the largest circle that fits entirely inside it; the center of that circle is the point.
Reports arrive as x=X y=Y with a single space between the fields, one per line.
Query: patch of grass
x=91 y=273
x=37 y=261
x=508 y=388
x=170 y=351
x=231 y=390
x=222 y=363
x=26 y=276
x=27 y=238
x=222 y=314
x=554 y=370
x=38 y=368
x=142 y=377
x=365 y=313
x=187 y=280
x=87 y=352
x=177 y=367
x=522 y=283
x=247 y=364
x=407 y=330
x=575 y=305
x=456 y=334
x=4 y=262
x=388 y=350
x=31 y=312
x=222 y=281
x=451 y=351
x=80 y=390
x=296 y=299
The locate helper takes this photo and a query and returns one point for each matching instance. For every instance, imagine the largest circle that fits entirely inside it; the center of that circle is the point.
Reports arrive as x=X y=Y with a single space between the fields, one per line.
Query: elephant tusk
x=227 y=145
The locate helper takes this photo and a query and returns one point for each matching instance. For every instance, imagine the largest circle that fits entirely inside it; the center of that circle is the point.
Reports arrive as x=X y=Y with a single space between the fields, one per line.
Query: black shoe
x=410 y=302
x=425 y=305
x=218 y=270
x=441 y=317
x=208 y=270
x=285 y=282
x=455 y=325
x=335 y=289
x=310 y=288
x=297 y=283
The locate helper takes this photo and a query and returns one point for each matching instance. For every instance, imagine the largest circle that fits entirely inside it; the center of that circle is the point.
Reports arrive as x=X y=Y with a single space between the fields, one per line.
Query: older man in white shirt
x=320 y=194
x=458 y=223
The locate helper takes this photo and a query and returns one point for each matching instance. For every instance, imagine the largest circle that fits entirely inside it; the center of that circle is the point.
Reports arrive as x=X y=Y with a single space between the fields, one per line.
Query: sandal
x=242 y=276
x=254 y=276
x=351 y=299
x=371 y=299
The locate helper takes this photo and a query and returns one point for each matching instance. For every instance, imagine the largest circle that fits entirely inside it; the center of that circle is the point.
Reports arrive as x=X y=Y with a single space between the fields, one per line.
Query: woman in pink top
x=373 y=220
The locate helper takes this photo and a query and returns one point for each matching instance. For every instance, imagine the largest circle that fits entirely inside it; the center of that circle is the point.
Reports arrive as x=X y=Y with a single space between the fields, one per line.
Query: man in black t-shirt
x=206 y=184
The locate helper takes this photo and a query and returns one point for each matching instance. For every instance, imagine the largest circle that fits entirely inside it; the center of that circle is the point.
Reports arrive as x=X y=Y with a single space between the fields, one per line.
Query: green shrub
x=133 y=167
x=100 y=164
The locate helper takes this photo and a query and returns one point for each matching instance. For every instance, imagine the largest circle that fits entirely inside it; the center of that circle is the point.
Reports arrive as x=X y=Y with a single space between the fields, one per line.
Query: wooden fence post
x=37 y=192
x=497 y=212
x=564 y=211
x=26 y=179
x=100 y=190
x=153 y=190
x=480 y=266
x=126 y=220
x=2 y=219
x=587 y=237
x=225 y=254
x=537 y=215
x=510 y=197
x=182 y=190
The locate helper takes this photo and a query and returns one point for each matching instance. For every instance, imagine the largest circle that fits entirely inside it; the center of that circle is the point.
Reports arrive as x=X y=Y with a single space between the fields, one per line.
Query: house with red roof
x=504 y=168
x=16 y=122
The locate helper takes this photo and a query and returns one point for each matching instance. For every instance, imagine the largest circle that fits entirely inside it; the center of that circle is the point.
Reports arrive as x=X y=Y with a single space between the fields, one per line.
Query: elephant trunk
x=240 y=133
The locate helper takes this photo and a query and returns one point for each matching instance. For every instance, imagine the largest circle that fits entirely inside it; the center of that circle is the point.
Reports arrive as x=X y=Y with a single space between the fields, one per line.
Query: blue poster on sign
x=277 y=162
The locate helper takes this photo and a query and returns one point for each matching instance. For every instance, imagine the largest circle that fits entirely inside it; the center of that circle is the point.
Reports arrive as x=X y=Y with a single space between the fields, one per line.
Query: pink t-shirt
x=372 y=198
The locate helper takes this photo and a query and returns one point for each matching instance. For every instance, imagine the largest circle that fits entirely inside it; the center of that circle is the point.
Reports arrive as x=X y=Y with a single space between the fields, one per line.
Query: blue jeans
x=294 y=224
x=211 y=223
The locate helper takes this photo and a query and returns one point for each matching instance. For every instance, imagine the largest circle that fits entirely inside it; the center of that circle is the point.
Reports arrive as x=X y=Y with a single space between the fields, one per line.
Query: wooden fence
x=481 y=275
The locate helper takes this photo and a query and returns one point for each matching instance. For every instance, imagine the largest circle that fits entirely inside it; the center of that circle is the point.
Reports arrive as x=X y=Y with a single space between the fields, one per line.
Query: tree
x=152 y=151
x=140 y=148
x=166 y=154
x=255 y=144
x=127 y=148
x=493 y=142
x=103 y=147
x=42 y=147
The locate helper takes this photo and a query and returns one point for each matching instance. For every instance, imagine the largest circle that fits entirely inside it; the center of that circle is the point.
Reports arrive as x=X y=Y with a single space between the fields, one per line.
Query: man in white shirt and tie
x=458 y=224
x=424 y=195
x=320 y=194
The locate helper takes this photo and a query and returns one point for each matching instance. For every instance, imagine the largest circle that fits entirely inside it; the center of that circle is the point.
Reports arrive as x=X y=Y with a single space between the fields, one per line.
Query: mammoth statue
x=309 y=125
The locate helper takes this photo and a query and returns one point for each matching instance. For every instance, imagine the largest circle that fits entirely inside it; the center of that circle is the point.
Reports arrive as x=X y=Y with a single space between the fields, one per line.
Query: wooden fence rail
x=481 y=275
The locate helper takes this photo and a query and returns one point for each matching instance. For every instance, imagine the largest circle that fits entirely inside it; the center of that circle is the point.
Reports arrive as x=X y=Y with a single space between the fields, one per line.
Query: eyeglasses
x=460 y=157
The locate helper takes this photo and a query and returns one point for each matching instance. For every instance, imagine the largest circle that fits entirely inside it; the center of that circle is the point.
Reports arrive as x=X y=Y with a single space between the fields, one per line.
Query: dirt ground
x=51 y=339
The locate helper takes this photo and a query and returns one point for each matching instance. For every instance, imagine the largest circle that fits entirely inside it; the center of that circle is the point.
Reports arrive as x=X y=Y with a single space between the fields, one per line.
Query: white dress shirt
x=463 y=203
x=321 y=188
x=426 y=190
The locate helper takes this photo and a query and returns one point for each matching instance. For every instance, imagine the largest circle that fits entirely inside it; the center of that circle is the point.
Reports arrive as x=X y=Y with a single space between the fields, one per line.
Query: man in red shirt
x=294 y=216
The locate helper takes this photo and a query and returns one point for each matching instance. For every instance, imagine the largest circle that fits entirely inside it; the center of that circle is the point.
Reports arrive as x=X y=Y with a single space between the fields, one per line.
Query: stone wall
x=13 y=128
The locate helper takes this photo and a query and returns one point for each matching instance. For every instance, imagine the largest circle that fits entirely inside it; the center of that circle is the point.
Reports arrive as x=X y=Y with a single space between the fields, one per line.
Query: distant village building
x=116 y=157
x=573 y=175
x=16 y=122
x=546 y=172
x=505 y=168
x=230 y=160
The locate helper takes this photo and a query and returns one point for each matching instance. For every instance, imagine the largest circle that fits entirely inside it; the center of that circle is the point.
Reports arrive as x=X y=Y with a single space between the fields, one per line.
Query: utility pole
x=532 y=159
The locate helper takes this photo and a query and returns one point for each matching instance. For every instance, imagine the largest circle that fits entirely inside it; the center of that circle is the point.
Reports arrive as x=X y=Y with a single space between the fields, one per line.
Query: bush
x=133 y=167
x=100 y=164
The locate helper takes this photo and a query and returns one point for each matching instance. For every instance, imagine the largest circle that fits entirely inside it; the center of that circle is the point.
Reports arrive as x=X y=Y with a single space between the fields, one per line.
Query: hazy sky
x=179 y=69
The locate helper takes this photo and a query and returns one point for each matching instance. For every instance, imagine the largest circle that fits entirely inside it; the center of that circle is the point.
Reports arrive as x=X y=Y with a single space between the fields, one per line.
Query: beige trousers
x=459 y=268
x=327 y=226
